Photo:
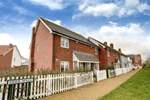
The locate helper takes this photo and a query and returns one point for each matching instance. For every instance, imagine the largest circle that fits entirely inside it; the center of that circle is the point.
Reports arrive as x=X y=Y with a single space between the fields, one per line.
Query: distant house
x=57 y=48
x=137 y=61
x=108 y=55
x=10 y=56
x=124 y=59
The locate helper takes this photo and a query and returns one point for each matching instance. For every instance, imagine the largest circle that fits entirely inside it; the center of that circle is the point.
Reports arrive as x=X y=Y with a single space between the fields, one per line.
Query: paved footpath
x=93 y=91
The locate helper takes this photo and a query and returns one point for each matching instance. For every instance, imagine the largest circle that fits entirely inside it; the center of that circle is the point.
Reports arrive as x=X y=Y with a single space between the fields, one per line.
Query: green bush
x=108 y=67
x=14 y=72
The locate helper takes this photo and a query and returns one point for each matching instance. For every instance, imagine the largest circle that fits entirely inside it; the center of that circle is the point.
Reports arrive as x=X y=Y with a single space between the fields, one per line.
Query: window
x=37 y=47
x=14 y=59
x=113 y=53
x=108 y=53
x=96 y=51
x=64 y=66
x=81 y=65
x=136 y=61
x=64 y=42
x=75 y=65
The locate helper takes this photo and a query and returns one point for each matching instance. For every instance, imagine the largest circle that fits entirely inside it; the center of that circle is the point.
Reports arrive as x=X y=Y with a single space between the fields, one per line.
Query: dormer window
x=64 y=42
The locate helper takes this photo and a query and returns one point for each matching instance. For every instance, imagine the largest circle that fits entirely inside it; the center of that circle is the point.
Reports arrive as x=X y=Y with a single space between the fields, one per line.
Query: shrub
x=14 y=72
x=109 y=67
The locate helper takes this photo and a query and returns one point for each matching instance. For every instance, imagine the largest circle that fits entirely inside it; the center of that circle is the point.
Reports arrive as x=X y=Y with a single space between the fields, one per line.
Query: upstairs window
x=96 y=51
x=64 y=42
x=64 y=66
x=113 y=53
x=108 y=53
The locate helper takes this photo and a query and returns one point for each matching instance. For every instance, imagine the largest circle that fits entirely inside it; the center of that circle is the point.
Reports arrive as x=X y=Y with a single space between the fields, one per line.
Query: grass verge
x=136 y=88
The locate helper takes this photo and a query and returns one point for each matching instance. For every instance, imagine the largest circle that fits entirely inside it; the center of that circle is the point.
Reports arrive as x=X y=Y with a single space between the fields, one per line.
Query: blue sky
x=122 y=22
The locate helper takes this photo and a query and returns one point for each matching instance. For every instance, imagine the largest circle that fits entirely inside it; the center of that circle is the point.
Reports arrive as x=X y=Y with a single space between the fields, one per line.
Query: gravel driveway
x=93 y=91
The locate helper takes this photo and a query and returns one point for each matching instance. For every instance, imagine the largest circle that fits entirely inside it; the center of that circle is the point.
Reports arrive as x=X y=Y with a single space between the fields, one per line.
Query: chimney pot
x=10 y=45
x=105 y=43
x=119 y=49
x=111 y=45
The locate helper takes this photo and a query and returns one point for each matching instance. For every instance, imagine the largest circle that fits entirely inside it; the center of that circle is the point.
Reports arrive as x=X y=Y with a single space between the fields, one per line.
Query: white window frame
x=96 y=51
x=65 y=62
x=65 y=41
x=81 y=63
x=108 y=52
x=37 y=47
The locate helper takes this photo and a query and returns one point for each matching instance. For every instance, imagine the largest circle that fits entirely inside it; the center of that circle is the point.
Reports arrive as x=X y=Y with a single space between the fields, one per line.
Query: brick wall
x=43 y=57
x=103 y=55
x=112 y=57
x=65 y=54
x=137 y=60
x=5 y=61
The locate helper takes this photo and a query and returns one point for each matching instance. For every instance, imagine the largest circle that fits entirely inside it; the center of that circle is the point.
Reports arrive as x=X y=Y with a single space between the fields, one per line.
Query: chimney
x=111 y=45
x=119 y=49
x=10 y=45
x=105 y=43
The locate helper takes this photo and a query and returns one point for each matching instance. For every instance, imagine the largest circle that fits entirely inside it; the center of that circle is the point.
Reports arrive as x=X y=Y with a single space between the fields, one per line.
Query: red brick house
x=137 y=60
x=54 y=47
x=10 y=56
x=108 y=55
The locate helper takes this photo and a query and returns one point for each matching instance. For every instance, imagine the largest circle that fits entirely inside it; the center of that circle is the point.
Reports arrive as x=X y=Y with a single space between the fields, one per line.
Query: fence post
x=92 y=76
x=75 y=82
x=97 y=76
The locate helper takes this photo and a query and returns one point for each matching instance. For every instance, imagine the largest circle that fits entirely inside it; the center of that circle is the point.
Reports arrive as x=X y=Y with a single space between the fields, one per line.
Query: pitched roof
x=108 y=46
x=131 y=56
x=85 y=56
x=4 y=49
x=66 y=32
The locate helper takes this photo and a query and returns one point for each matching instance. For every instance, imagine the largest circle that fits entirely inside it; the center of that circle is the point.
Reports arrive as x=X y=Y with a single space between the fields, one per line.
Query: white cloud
x=5 y=39
x=23 y=11
x=130 y=38
x=33 y=23
x=106 y=10
x=148 y=39
x=115 y=30
x=143 y=7
x=51 y=4
x=56 y=21
x=131 y=2
x=118 y=8
x=23 y=46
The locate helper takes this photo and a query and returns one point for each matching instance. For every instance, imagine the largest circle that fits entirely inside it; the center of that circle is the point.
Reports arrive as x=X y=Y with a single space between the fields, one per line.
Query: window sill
x=65 y=47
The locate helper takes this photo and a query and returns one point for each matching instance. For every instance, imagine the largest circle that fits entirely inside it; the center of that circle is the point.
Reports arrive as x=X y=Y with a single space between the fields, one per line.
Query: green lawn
x=136 y=88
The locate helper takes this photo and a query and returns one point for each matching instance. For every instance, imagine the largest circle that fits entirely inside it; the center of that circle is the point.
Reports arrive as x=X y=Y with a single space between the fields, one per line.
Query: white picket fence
x=111 y=73
x=124 y=70
x=118 y=71
x=101 y=75
x=44 y=85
